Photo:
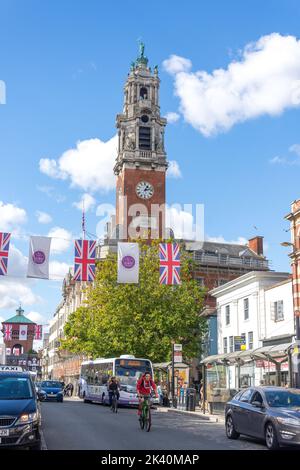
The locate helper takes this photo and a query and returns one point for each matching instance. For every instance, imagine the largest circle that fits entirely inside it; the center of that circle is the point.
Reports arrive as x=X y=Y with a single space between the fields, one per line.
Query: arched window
x=17 y=350
x=144 y=93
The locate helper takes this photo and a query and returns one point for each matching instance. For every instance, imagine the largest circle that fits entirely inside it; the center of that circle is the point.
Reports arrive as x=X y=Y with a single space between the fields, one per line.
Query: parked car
x=20 y=416
x=269 y=413
x=53 y=390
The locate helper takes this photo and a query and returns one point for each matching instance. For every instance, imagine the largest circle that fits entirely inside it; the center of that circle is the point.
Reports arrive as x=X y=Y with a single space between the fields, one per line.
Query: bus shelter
x=225 y=374
x=163 y=375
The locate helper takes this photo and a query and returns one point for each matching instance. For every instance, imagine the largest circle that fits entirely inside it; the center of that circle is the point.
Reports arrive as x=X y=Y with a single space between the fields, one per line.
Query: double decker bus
x=94 y=376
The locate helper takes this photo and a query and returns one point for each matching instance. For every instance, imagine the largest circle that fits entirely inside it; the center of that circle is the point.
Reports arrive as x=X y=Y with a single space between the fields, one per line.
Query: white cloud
x=221 y=239
x=265 y=81
x=88 y=166
x=174 y=170
x=87 y=201
x=36 y=317
x=58 y=270
x=295 y=149
x=287 y=161
x=172 y=117
x=61 y=239
x=50 y=192
x=43 y=217
x=14 y=288
x=11 y=216
x=181 y=222
x=176 y=64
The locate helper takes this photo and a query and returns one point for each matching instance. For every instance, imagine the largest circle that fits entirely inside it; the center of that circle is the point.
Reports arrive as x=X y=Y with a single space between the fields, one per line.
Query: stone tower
x=141 y=163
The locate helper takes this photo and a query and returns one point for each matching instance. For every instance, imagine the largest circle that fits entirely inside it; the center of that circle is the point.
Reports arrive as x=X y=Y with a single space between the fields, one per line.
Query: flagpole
x=83 y=221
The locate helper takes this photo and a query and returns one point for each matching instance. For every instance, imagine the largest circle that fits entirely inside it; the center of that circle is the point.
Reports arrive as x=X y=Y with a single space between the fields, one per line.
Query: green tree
x=140 y=319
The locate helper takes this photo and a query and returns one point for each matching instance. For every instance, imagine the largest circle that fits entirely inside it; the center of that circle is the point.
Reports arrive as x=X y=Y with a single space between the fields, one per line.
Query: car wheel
x=231 y=433
x=271 y=437
x=36 y=446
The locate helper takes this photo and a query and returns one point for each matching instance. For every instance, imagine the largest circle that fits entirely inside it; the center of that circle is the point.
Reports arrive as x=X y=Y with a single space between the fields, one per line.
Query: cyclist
x=144 y=387
x=113 y=387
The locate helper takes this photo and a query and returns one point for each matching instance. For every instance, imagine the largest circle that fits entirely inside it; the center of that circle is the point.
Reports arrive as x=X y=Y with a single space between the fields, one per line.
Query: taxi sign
x=11 y=369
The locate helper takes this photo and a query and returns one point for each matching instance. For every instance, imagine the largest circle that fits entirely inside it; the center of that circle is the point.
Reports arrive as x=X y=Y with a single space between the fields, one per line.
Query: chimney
x=257 y=245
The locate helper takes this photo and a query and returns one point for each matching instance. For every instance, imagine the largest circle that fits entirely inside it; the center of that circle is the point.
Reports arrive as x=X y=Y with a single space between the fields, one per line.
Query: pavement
x=73 y=425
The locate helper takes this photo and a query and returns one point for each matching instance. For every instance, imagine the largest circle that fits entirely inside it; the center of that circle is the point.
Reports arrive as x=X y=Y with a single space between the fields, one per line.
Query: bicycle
x=114 y=403
x=145 y=417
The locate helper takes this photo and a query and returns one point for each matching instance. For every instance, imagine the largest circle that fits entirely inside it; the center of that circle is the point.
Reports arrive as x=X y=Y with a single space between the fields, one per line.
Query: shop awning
x=265 y=352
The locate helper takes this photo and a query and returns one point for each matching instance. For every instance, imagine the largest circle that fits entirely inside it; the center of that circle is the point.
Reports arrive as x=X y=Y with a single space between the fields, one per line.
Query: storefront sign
x=270 y=366
x=239 y=343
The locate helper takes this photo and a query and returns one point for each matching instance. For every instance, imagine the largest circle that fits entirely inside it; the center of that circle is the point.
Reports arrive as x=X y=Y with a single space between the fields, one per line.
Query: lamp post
x=295 y=306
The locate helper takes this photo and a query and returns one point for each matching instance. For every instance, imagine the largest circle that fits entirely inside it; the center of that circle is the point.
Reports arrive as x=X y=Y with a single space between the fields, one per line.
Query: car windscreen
x=128 y=371
x=51 y=384
x=283 y=398
x=15 y=388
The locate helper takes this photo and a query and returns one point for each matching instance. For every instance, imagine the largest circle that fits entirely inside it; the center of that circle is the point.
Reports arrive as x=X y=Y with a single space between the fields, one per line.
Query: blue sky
x=64 y=64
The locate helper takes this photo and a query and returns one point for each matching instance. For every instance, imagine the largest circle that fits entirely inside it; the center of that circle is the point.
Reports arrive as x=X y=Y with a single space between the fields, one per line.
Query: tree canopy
x=141 y=319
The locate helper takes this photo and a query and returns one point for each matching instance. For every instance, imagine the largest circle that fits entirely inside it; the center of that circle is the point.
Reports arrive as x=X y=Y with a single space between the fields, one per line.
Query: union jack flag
x=4 y=248
x=169 y=263
x=38 y=331
x=7 y=331
x=85 y=254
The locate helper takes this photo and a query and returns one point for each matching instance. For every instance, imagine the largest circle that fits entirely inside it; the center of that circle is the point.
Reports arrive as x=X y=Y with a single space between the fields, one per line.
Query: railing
x=230 y=261
x=145 y=154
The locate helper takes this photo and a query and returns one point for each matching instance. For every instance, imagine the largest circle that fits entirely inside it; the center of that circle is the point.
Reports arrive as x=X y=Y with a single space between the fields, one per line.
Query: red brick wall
x=27 y=345
x=126 y=185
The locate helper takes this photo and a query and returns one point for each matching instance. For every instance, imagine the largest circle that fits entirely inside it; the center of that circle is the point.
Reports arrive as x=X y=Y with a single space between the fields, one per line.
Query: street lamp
x=297 y=316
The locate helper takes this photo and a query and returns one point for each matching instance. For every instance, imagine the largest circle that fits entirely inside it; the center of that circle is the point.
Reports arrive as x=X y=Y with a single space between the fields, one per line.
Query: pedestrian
x=160 y=393
x=71 y=388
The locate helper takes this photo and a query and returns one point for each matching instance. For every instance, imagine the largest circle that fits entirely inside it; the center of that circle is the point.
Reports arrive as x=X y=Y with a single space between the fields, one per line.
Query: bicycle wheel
x=148 y=420
x=142 y=421
x=116 y=405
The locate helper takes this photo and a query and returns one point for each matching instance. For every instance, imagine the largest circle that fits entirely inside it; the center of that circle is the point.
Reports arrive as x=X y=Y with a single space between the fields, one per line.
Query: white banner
x=23 y=332
x=38 y=260
x=128 y=263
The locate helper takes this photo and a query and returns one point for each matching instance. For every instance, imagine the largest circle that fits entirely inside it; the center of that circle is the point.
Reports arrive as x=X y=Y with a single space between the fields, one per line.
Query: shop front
x=226 y=374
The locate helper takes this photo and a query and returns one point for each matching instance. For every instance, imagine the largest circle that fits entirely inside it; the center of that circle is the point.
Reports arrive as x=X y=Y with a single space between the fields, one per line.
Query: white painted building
x=255 y=310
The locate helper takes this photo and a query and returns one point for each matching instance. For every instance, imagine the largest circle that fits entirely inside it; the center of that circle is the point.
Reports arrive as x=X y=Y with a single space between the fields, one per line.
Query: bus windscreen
x=129 y=371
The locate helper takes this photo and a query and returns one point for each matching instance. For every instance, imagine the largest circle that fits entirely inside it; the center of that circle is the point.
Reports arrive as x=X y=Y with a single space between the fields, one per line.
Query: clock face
x=144 y=190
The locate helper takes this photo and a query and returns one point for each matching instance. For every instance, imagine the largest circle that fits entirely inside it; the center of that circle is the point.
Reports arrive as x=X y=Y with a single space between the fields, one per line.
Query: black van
x=20 y=415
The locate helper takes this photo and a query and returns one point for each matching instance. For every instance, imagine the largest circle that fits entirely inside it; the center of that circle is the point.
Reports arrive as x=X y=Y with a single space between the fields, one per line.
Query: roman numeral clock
x=141 y=163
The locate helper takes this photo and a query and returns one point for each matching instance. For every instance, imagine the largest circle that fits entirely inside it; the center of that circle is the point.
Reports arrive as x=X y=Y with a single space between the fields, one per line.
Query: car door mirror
x=257 y=404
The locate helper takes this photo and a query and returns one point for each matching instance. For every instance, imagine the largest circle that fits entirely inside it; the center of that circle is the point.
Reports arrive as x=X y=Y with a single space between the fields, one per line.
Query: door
x=256 y=416
x=241 y=410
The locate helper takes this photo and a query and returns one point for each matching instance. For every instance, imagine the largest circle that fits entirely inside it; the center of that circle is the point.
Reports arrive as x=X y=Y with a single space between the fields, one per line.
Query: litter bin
x=190 y=399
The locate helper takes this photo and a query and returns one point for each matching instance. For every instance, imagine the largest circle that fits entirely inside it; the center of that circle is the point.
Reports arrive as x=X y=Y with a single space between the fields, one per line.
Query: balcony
x=230 y=261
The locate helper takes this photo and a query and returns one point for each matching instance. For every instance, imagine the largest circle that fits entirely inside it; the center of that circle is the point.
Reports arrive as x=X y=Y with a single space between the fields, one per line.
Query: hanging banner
x=38 y=259
x=7 y=332
x=169 y=263
x=38 y=330
x=4 y=249
x=128 y=263
x=23 y=332
x=85 y=260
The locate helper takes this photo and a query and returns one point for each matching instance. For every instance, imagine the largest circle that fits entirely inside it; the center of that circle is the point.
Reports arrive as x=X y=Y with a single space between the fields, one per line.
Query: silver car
x=269 y=413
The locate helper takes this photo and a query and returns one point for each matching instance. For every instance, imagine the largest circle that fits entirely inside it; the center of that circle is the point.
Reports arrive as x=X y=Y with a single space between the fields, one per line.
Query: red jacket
x=144 y=387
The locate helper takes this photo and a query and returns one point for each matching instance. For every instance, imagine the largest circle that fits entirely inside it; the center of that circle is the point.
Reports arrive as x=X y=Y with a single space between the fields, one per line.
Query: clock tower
x=141 y=163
